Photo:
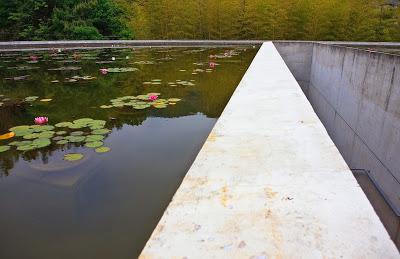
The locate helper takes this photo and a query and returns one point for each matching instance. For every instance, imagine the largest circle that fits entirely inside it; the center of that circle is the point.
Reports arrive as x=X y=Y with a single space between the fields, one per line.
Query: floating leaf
x=61 y=132
x=73 y=157
x=46 y=100
x=26 y=147
x=94 y=144
x=94 y=138
x=75 y=139
x=19 y=128
x=174 y=100
x=102 y=150
x=122 y=70
x=106 y=106
x=20 y=143
x=4 y=148
x=63 y=124
x=7 y=135
x=62 y=142
x=31 y=98
x=77 y=133
x=41 y=142
x=100 y=131
x=31 y=136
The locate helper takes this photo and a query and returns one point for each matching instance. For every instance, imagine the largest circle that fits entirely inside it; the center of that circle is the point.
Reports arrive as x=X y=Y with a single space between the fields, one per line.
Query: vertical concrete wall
x=298 y=57
x=356 y=94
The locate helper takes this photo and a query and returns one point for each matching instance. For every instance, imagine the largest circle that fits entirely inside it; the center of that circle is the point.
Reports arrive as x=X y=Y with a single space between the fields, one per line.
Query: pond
x=120 y=129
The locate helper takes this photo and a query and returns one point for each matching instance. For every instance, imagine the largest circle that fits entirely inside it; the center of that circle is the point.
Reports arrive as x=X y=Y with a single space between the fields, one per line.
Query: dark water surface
x=106 y=204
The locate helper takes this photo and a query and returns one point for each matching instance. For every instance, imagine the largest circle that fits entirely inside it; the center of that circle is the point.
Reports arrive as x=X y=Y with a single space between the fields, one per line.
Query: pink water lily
x=153 y=97
x=41 y=120
x=33 y=58
x=104 y=71
x=212 y=64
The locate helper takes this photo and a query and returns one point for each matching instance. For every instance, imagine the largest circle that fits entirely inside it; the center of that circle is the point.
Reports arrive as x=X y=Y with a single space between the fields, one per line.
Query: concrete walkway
x=269 y=183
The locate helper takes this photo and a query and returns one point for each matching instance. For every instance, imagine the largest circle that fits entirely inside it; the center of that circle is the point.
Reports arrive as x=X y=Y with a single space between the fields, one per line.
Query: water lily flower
x=104 y=71
x=153 y=97
x=41 y=120
x=113 y=58
x=212 y=64
x=33 y=58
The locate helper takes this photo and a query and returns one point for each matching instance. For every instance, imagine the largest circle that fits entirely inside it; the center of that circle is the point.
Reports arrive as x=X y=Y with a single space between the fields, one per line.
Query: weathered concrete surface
x=269 y=183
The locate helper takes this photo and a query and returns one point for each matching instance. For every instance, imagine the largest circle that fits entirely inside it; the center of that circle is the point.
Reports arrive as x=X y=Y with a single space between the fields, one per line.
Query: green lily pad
x=20 y=128
x=82 y=121
x=106 y=106
x=94 y=144
x=58 y=138
x=100 y=131
x=31 y=136
x=173 y=100
x=4 y=148
x=77 y=126
x=62 y=142
x=46 y=134
x=61 y=132
x=73 y=157
x=42 y=128
x=102 y=150
x=121 y=70
x=63 y=124
x=23 y=133
x=20 y=143
x=77 y=133
x=75 y=139
x=26 y=147
x=31 y=98
x=41 y=142
x=94 y=138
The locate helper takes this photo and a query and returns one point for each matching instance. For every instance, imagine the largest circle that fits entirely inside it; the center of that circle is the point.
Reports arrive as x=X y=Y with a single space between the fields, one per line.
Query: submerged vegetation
x=352 y=20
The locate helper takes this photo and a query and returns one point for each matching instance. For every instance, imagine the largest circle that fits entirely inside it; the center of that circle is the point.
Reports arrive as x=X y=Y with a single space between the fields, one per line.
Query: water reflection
x=105 y=205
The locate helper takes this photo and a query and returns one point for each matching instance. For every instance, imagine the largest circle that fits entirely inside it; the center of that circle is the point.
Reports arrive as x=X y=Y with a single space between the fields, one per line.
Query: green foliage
x=358 y=20
x=61 y=19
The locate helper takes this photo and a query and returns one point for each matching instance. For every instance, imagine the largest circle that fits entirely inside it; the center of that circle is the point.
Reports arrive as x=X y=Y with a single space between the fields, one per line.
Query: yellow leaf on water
x=7 y=135
x=46 y=100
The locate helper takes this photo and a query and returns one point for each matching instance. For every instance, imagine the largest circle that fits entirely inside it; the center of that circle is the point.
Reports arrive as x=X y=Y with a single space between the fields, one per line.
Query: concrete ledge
x=85 y=44
x=269 y=183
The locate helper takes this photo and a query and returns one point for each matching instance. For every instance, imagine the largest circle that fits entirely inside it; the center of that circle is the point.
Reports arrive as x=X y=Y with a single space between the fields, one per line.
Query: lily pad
x=73 y=157
x=46 y=100
x=100 y=131
x=41 y=142
x=77 y=133
x=63 y=124
x=62 y=142
x=102 y=150
x=61 y=132
x=26 y=147
x=94 y=138
x=75 y=139
x=122 y=70
x=31 y=136
x=94 y=144
x=31 y=98
x=4 y=148
x=20 y=128
x=20 y=143
x=58 y=138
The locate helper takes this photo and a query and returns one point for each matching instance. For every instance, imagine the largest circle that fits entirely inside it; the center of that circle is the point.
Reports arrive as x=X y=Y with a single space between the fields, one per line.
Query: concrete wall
x=356 y=94
x=298 y=57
